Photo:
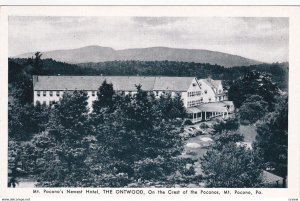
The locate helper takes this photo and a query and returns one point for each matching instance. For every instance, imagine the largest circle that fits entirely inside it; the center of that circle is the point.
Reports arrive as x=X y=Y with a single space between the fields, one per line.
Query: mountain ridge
x=94 y=53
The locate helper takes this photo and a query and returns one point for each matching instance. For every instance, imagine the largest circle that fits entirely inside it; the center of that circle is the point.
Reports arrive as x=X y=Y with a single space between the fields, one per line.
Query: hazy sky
x=263 y=39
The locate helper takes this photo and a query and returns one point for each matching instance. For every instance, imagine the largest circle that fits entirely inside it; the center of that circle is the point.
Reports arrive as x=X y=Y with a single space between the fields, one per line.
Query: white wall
x=194 y=87
x=210 y=92
x=46 y=98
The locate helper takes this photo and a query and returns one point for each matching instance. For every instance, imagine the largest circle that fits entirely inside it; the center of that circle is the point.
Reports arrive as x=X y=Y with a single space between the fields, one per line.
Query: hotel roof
x=120 y=83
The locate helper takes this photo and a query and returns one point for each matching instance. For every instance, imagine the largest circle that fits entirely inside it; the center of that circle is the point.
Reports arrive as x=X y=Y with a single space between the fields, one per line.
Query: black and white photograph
x=148 y=102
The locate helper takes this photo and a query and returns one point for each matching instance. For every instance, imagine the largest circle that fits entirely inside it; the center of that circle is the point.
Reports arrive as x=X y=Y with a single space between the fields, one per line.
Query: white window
x=57 y=93
x=209 y=99
x=205 y=91
x=37 y=102
x=44 y=93
x=93 y=93
x=38 y=93
x=51 y=93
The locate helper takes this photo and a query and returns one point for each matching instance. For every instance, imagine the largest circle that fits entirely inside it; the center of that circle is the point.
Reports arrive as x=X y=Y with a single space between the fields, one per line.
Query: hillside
x=102 y=54
x=279 y=71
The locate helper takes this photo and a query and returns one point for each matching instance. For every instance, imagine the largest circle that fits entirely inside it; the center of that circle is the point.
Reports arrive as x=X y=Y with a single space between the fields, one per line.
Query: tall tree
x=62 y=148
x=231 y=167
x=253 y=83
x=272 y=138
x=37 y=63
x=253 y=109
x=105 y=95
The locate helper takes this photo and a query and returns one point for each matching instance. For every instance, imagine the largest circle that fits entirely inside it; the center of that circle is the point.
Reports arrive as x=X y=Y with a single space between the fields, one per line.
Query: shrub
x=204 y=125
x=188 y=122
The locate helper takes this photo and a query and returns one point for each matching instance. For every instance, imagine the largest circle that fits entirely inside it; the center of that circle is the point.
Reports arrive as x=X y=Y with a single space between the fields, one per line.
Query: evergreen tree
x=62 y=151
x=105 y=99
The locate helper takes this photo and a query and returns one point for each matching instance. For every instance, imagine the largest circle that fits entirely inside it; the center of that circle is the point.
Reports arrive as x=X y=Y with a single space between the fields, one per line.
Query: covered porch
x=210 y=110
x=194 y=114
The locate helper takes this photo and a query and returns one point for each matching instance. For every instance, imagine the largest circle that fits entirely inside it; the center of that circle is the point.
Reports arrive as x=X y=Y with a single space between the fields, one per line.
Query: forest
x=279 y=71
x=135 y=140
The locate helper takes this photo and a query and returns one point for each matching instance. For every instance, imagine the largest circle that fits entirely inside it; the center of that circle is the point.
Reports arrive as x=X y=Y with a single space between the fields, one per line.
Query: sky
x=262 y=39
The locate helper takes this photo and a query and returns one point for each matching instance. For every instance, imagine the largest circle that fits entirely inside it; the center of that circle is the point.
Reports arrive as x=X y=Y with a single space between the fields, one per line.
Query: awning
x=192 y=110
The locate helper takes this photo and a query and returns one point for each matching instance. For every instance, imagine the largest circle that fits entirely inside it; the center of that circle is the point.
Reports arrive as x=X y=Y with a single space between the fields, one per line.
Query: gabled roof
x=172 y=83
x=120 y=83
x=212 y=83
x=216 y=83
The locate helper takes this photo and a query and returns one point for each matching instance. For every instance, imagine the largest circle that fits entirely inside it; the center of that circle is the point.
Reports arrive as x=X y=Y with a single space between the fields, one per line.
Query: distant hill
x=102 y=54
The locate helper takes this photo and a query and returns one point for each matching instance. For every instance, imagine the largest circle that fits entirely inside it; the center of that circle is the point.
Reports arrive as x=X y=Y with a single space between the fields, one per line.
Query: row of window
x=38 y=93
x=57 y=93
x=194 y=93
x=194 y=103
x=45 y=102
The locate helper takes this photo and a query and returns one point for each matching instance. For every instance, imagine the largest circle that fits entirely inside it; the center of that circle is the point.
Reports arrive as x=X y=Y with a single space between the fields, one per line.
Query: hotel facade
x=202 y=98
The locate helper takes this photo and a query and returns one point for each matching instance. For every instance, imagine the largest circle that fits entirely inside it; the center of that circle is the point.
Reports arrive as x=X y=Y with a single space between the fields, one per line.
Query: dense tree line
x=279 y=71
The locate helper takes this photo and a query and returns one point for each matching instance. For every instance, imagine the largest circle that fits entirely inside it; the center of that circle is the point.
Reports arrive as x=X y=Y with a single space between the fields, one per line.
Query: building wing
x=120 y=83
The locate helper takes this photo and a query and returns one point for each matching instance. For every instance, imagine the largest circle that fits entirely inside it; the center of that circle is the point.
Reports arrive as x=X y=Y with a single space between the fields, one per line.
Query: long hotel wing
x=203 y=98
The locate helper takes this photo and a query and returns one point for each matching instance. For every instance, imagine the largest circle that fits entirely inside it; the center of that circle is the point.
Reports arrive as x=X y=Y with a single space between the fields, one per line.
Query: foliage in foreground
x=231 y=166
x=227 y=164
x=132 y=141
x=272 y=138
